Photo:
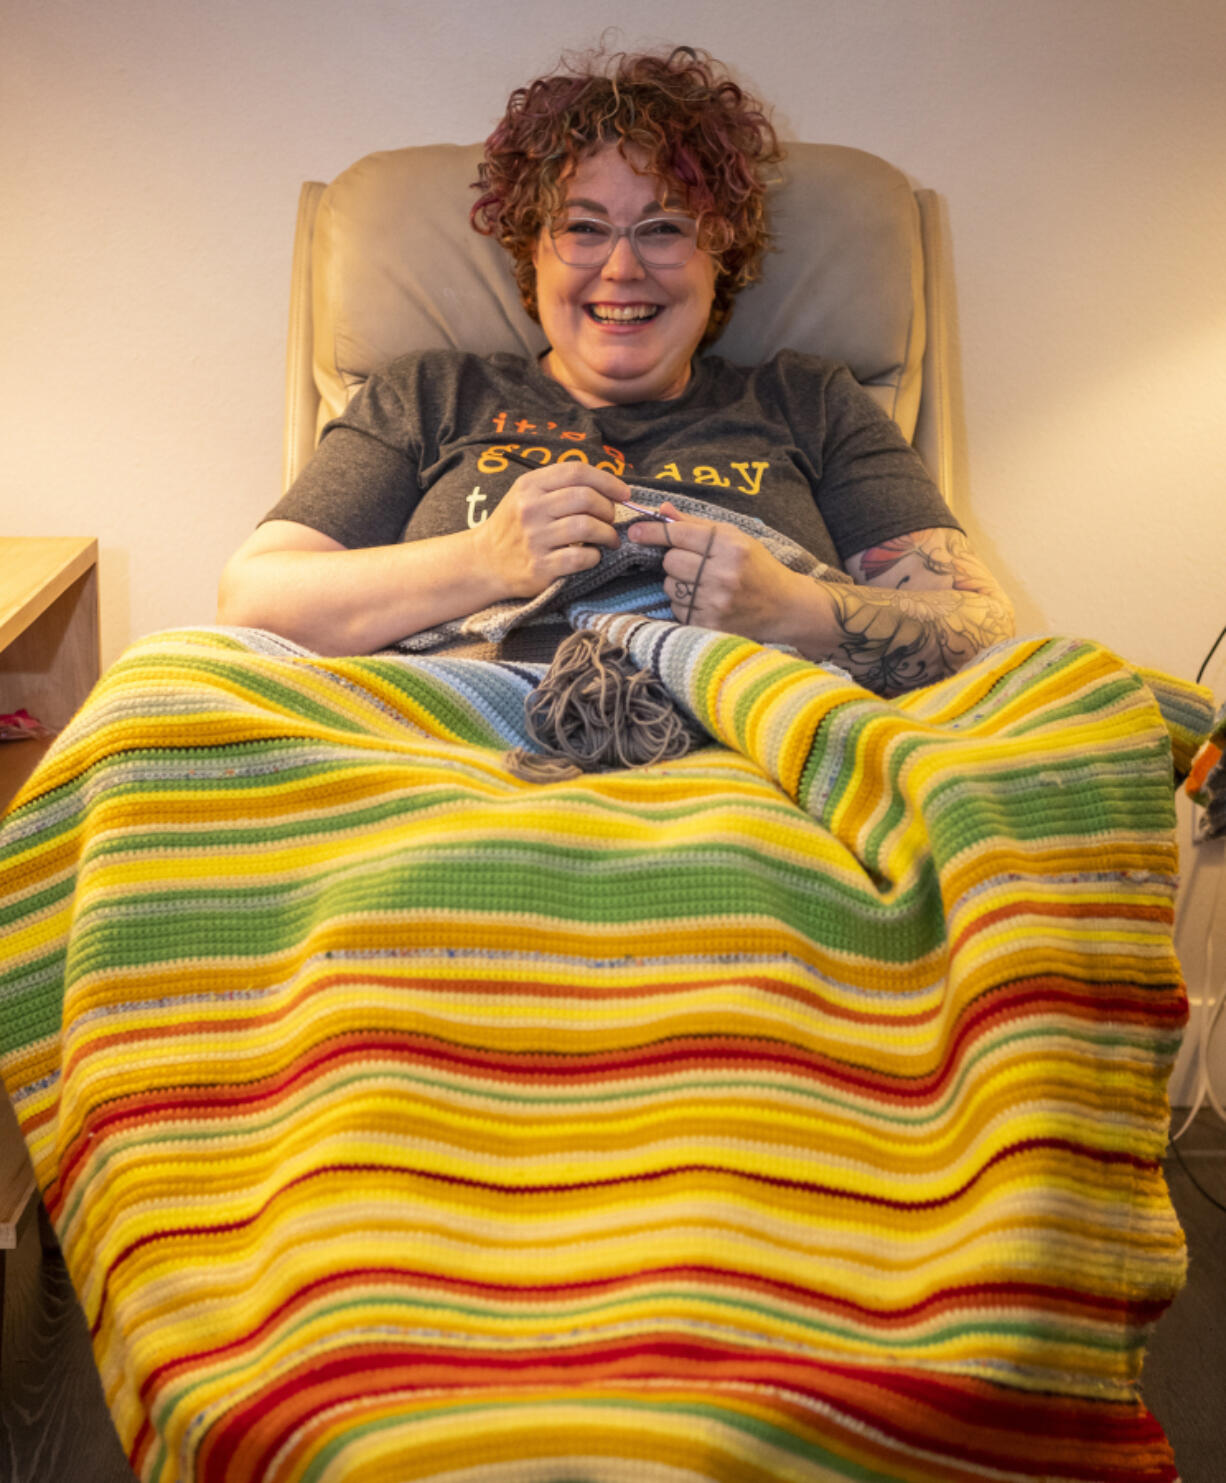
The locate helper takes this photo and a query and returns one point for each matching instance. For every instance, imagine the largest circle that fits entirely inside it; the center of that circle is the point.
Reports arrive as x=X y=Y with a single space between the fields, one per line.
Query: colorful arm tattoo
x=927 y=607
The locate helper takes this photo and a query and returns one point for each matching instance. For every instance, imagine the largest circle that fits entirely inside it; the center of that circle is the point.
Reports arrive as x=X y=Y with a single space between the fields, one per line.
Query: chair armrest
x=301 y=396
x=934 y=424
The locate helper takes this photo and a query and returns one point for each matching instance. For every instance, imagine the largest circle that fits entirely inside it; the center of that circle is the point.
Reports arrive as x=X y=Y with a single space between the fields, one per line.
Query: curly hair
x=698 y=134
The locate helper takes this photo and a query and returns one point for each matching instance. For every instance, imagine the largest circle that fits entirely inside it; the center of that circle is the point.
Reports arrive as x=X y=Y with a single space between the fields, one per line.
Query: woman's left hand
x=718 y=576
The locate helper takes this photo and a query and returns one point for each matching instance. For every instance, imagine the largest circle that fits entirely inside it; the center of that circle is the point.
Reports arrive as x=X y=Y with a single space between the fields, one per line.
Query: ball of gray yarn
x=595 y=709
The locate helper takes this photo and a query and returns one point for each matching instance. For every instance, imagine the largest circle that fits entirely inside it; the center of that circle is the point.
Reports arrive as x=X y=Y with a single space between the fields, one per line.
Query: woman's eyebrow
x=651 y=208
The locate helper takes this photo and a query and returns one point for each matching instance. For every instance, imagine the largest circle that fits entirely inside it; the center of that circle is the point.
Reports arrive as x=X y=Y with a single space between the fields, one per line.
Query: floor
x=54 y=1427
x=1184 y=1380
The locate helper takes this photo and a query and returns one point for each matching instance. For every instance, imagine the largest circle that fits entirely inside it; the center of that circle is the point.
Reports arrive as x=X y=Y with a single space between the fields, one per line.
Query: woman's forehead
x=606 y=174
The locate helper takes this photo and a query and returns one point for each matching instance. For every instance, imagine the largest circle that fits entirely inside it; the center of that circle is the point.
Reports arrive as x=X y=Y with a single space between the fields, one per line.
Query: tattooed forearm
x=891 y=641
x=932 y=607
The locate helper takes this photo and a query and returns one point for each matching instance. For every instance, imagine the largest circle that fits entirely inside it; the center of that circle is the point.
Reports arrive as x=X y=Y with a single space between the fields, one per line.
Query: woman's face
x=620 y=332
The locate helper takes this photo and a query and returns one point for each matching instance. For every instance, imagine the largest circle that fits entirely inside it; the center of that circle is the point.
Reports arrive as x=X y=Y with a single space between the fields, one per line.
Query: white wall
x=151 y=156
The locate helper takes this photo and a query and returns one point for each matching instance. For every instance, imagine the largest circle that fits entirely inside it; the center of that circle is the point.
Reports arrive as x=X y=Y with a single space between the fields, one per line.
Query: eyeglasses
x=658 y=242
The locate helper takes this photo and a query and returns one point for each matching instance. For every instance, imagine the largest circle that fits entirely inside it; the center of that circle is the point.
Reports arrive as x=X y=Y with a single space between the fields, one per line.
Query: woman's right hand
x=308 y=587
x=550 y=523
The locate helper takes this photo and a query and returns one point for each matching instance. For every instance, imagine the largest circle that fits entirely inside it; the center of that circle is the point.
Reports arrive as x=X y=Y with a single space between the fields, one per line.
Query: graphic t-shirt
x=430 y=445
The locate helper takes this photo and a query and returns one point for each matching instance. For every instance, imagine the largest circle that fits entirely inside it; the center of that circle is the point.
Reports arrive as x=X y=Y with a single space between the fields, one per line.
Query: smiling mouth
x=621 y=313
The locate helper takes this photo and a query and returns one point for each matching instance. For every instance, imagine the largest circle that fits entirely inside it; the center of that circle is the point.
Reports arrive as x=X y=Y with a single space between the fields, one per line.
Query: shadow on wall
x=114 y=600
x=960 y=493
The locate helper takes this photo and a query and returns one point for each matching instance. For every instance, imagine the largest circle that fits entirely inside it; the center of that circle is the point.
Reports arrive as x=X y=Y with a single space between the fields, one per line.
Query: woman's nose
x=623 y=262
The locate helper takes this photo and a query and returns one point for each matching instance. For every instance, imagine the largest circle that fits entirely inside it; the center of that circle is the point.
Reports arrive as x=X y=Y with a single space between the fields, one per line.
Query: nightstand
x=48 y=663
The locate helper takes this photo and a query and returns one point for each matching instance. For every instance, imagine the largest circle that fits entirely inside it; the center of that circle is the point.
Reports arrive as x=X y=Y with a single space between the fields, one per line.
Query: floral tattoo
x=895 y=636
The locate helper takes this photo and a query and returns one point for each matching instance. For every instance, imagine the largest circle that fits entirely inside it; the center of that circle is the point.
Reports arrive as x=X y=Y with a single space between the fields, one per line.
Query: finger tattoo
x=693 y=595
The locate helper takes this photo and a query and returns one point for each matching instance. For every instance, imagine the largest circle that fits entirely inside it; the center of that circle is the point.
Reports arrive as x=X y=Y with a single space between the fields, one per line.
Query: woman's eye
x=585 y=229
x=663 y=229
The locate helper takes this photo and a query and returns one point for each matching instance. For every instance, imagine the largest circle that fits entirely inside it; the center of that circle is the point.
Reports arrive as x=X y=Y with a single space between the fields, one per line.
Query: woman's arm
x=923 y=606
x=303 y=585
x=918 y=608
x=308 y=587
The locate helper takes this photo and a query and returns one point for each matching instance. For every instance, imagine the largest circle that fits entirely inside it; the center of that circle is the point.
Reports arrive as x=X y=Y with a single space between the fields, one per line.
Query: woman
x=632 y=201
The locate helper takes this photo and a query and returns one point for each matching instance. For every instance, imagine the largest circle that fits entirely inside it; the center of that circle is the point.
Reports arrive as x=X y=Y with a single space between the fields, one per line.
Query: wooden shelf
x=34 y=571
x=49 y=662
x=16 y=1175
x=18 y=759
x=48 y=639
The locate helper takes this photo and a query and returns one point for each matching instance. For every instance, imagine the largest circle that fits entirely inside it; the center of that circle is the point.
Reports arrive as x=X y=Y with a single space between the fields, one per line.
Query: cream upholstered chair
x=385 y=262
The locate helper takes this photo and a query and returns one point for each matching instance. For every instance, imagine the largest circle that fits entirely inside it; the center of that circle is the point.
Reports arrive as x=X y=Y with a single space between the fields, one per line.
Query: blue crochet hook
x=651 y=514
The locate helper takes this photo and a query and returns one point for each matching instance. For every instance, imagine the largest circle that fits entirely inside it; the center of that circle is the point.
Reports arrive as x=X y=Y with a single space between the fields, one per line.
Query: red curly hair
x=699 y=134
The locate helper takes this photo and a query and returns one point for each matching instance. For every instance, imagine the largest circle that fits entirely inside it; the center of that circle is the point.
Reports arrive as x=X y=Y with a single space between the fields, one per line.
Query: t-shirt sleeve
x=360 y=486
x=873 y=485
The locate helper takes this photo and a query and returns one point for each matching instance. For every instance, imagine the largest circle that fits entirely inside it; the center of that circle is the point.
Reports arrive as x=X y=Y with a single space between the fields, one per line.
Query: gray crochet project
x=595 y=708
x=492 y=624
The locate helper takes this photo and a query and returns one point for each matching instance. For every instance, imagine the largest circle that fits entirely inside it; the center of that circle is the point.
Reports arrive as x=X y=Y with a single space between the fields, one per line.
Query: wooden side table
x=49 y=661
x=48 y=639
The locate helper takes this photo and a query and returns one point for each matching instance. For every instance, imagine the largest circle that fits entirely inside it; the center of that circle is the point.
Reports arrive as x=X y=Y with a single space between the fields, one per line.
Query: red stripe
x=1011 y=1431
x=1034 y=1295
x=707 y=1053
x=1104 y=1157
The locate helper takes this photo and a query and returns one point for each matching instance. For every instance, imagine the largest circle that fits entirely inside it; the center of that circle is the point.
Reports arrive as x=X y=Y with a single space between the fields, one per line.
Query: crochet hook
x=651 y=514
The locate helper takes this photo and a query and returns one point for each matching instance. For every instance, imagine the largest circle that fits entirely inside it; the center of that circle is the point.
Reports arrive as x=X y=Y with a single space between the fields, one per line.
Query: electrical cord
x=1204 y=664
x=1213 y=1200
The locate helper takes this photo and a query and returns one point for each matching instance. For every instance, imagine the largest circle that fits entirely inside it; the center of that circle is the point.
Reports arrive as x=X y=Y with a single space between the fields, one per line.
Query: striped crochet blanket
x=789 y=1111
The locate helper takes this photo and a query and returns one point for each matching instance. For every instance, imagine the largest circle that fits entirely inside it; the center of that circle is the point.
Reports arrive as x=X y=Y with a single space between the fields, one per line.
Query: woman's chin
x=620 y=376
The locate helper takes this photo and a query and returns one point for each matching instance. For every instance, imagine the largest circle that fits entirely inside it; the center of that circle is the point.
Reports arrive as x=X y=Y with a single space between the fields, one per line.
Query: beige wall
x=151 y=156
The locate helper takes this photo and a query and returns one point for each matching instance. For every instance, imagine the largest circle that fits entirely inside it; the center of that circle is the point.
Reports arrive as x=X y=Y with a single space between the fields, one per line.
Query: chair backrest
x=385 y=262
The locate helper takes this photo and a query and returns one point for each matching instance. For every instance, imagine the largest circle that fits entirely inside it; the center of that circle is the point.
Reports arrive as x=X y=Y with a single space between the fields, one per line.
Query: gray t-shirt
x=431 y=443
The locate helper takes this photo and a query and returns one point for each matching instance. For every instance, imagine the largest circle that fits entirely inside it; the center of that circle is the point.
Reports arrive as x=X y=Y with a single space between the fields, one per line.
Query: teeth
x=623 y=313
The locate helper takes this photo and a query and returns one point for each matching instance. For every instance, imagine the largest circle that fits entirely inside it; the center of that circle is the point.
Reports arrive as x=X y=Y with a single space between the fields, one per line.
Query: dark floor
x=54 y=1427
x=1185 y=1370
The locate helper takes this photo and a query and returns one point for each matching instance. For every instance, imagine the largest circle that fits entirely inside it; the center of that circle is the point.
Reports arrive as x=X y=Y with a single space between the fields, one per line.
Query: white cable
x=1211 y=1009
x=1212 y=1001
